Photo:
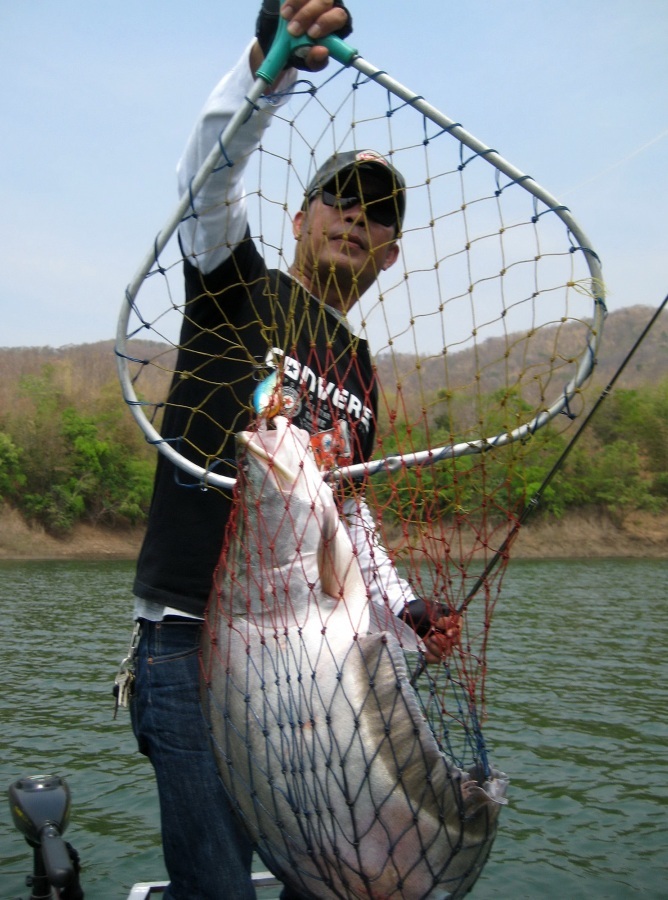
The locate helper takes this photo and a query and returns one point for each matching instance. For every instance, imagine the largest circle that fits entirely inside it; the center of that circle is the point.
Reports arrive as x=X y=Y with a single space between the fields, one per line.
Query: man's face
x=341 y=251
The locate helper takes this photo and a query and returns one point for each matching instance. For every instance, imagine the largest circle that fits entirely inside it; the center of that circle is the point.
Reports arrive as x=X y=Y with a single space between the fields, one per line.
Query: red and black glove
x=421 y=614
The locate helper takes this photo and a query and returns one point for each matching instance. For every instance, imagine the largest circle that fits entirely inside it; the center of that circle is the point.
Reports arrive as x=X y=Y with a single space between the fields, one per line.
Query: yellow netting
x=483 y=328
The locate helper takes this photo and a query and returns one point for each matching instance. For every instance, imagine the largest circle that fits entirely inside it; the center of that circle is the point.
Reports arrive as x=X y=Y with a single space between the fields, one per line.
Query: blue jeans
x=207 y=853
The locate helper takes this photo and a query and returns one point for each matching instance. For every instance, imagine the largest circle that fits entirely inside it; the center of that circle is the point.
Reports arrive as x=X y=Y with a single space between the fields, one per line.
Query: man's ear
x=297 y=224
x=391 y=256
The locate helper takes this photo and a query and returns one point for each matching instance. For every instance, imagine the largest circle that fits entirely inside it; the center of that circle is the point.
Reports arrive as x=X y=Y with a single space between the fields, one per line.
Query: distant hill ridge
x=85 y=369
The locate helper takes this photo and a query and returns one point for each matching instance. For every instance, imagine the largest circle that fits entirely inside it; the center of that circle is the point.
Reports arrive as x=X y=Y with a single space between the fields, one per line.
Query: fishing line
x=534 y=502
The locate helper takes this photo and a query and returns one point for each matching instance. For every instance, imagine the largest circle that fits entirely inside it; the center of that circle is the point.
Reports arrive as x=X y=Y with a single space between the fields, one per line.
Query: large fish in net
x=320 y=737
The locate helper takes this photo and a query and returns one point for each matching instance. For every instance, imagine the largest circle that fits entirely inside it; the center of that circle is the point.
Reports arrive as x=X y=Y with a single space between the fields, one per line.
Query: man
x=243 y=322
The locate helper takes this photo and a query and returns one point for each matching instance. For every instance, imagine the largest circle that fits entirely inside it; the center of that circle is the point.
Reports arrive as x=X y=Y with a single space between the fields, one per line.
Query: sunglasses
x=381 y=210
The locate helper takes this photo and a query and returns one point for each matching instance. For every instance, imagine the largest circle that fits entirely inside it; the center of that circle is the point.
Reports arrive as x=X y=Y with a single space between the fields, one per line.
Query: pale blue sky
x=97 y=101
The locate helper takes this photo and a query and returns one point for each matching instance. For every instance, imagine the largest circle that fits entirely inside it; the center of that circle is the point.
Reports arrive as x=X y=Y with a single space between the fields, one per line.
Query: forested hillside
x=70 y=451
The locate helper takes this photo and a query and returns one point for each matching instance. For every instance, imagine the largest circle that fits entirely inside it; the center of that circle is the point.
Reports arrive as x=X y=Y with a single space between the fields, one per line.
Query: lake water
x=578 y=698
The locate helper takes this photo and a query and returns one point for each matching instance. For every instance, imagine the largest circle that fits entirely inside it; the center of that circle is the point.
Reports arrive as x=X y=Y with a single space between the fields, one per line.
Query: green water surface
x=577 y=698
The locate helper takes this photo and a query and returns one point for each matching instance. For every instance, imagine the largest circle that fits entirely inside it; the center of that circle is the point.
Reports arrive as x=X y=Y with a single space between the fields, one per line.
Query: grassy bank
x=639 y=535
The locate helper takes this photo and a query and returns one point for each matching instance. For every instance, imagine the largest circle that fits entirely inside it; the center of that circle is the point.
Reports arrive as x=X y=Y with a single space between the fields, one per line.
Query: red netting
x=357 y=768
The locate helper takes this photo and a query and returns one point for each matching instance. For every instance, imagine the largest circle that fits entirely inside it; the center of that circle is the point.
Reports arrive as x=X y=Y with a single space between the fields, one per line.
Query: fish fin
x=481 y=789
x=381 y=618
x=329 y=562
x=408 y=731
x=476 y=798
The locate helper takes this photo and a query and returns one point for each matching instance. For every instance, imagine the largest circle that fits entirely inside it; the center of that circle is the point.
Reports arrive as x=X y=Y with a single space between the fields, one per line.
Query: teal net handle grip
x=285 y=45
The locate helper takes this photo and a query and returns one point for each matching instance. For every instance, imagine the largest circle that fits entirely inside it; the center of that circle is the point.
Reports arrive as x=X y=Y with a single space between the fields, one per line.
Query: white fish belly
x=335 y=773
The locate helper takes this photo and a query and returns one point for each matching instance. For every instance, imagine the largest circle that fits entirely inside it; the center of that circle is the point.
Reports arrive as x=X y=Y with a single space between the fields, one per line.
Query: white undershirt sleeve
x=210 y=235
x=386 y=588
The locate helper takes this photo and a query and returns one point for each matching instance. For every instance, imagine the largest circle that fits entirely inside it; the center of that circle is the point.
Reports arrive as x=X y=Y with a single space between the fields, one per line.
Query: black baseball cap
x=372 y=169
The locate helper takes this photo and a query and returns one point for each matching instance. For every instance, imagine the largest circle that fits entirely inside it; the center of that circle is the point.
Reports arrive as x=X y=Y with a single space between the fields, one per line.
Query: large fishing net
x=359 y=769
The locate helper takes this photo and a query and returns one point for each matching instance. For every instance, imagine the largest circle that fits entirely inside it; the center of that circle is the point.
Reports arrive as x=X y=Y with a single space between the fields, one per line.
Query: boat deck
x=144 y=890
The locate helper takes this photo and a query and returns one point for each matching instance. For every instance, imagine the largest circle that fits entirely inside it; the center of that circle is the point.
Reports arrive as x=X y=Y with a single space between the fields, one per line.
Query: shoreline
x=639 y=536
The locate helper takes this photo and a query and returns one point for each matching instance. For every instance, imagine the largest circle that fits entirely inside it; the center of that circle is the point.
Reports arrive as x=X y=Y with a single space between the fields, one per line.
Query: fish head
x=284 y=491
x=278 y=457
x=291 y=510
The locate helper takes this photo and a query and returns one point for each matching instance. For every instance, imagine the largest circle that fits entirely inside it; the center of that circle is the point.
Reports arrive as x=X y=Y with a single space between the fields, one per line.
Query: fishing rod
x=534 y=502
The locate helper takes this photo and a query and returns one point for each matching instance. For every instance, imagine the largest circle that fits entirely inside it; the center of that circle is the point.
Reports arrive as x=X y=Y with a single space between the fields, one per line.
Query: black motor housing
x=40 y=807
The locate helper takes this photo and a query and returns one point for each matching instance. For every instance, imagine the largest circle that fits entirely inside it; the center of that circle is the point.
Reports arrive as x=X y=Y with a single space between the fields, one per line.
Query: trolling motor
x=40 y=806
